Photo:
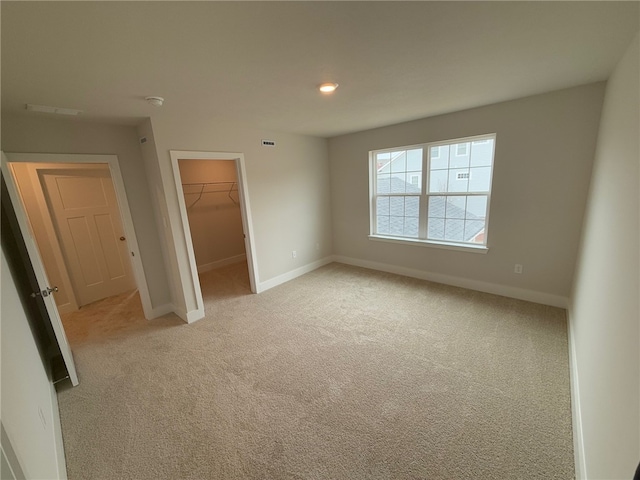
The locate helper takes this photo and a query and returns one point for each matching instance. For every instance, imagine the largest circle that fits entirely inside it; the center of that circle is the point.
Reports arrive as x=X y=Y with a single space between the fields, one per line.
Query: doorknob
x=122 y=239
x=44 y=293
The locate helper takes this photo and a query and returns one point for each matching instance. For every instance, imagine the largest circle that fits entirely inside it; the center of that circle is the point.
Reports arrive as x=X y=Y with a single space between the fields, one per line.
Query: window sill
x=461 y=247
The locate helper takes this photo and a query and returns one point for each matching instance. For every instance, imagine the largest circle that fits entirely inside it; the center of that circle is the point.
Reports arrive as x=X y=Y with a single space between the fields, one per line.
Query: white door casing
x=182 y=233
x=84 y=208
x=40 y=273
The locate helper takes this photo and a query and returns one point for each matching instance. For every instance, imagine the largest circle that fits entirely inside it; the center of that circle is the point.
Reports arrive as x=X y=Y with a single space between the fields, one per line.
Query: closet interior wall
x=213 y=210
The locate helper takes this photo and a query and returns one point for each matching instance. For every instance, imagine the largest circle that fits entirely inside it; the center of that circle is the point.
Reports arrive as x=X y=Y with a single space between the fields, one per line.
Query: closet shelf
x=203 y=185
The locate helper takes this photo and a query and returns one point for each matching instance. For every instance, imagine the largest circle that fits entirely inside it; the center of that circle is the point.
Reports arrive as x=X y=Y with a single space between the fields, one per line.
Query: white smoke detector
x=155 y=101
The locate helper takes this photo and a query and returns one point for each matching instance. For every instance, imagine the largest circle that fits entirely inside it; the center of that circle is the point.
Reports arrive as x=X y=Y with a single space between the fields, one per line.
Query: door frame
x=245 y=212
x=121 y=196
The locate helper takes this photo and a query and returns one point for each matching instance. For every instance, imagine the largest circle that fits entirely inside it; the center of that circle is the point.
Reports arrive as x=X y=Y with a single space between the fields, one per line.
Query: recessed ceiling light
x=155 y=101
x=48 y=109
x=328 y=87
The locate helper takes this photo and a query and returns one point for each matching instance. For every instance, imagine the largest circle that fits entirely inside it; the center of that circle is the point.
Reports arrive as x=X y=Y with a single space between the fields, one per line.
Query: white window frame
x=422 y=239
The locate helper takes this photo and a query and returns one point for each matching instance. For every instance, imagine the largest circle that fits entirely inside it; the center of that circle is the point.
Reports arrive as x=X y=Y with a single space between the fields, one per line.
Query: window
x=433 y=193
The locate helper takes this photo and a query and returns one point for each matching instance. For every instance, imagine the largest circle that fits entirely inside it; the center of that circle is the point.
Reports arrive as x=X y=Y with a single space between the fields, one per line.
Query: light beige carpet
x=344 y=373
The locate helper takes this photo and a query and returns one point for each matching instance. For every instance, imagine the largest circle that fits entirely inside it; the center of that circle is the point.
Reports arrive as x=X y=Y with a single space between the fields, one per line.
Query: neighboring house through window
x=453 y=206
x=462 y=149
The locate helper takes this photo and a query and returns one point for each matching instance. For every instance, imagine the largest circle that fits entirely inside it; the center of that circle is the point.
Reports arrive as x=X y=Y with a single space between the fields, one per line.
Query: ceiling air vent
x=48 y=109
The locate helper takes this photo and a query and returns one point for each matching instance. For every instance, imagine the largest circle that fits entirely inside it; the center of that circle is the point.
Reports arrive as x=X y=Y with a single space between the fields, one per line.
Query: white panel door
x=85 y=213
x=40 y=274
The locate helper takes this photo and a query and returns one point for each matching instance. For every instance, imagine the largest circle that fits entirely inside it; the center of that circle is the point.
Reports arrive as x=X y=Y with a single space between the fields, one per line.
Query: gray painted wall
x=544 y=153
x=604 y=309
x=288 y=189
x=29 y=403
x=43 y=135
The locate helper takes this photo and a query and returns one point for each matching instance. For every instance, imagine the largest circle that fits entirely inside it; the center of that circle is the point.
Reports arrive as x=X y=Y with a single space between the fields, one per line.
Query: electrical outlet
x=517 y=268
x=294 y=254
x=317 y=247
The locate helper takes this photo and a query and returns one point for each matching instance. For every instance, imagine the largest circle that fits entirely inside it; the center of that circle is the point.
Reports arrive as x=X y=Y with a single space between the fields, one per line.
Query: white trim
x=181 y=312
x=123 y=206
x=472 y=138
x=290 y=275
x=576 y=413
x=206 y=267
x=190 y=316
x=195 y=315
x=461 y=247
x=496 y=289
x=186 y=230
x=162 y=310
x=66 y=308
x=425 y=195
x=247 y=223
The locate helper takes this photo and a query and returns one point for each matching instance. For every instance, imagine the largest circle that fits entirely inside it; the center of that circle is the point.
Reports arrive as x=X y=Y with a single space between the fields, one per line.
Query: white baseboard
x=160 y=311
x=181 y=312
x=189 y=316
x=285 y=277
x=496 y=289
x=222 y=263
x=195 y=315
x=66 y=308
x=576 y=414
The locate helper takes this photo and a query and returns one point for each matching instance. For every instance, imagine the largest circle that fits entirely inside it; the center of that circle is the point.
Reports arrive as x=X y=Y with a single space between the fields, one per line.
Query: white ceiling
x=260 y=62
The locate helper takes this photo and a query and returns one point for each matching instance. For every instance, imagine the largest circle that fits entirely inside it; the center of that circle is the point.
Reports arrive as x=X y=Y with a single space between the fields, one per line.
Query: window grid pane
x=456 y=201
x=457 y=218
x=398 y=215
x=399 y=171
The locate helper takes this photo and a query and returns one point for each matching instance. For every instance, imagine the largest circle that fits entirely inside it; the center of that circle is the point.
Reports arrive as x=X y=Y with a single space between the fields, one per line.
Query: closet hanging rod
x=203 y=185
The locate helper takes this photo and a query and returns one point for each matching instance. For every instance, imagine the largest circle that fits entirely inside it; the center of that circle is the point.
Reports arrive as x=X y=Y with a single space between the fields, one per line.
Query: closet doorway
x=215 y=219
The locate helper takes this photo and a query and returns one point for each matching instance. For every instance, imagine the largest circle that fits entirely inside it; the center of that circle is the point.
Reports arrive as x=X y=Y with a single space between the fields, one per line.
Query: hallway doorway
x=75 y=219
